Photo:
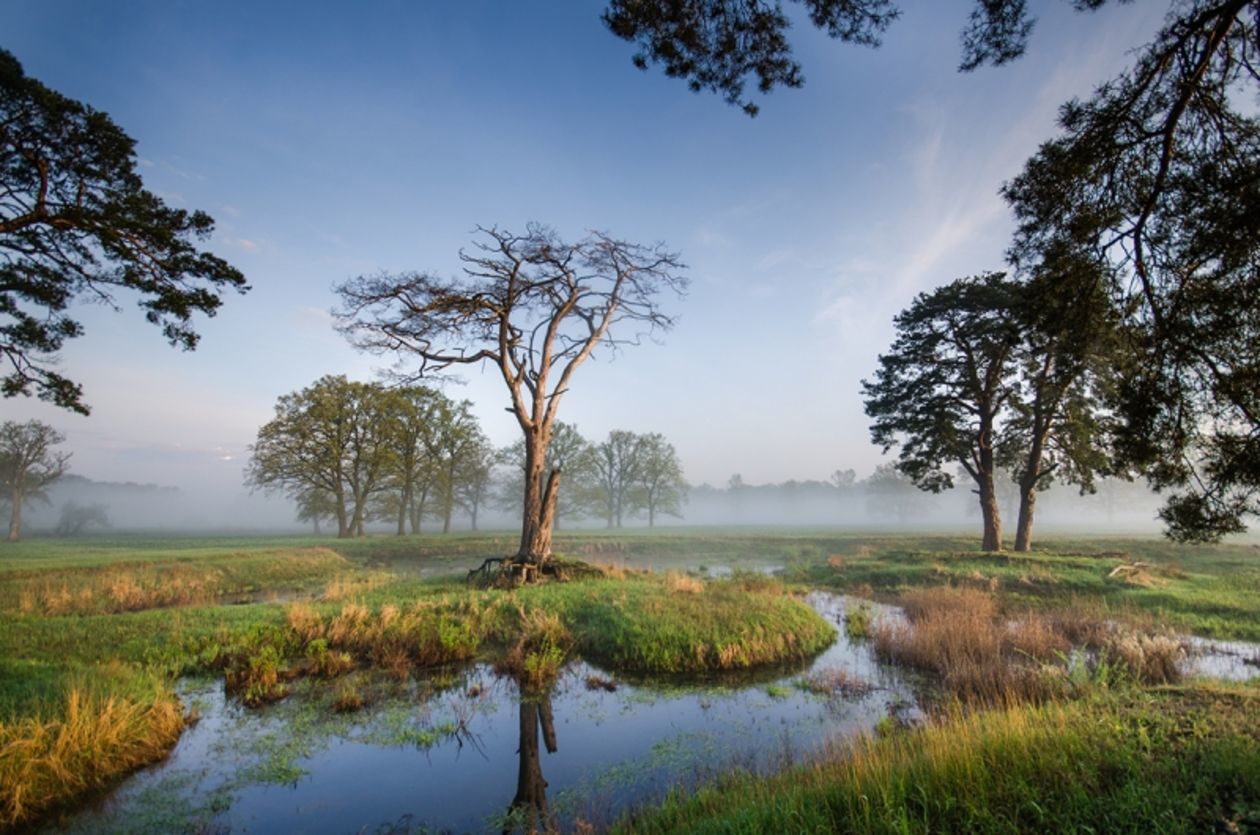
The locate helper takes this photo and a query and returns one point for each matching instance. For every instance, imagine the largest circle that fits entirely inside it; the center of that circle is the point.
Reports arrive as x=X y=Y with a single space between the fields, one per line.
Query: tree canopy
x=719 y=45
x=329 y=443
x=1155 y=179
x=659 y=484
x=77 y=222
x=940 y=390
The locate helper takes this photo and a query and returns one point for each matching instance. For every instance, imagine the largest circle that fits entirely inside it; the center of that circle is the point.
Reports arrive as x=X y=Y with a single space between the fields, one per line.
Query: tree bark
x=417 y=510
x=991 y=515
x=540 y=503
x=15 y=518
x=1024 y=527
x=343 y=526
x=1028 y=484
x=988 y=493
x=404 y=504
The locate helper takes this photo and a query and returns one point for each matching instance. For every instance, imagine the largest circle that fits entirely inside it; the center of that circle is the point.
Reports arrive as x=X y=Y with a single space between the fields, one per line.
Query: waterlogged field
x=317 y=685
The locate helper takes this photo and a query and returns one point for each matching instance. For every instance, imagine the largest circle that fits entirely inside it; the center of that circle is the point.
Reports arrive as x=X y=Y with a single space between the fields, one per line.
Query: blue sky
x=334 y=140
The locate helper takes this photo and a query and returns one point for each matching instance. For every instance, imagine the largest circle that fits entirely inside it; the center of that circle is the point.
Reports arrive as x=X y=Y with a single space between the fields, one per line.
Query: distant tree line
x=887 y=498
x=357 y=453
x=627 y=475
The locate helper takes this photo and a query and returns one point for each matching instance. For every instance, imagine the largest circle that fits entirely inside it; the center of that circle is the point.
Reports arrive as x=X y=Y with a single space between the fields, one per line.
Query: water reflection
x=529 y=806
x=299 y=766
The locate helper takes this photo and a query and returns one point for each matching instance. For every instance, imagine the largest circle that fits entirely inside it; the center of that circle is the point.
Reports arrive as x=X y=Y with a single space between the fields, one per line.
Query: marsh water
x=466 y=751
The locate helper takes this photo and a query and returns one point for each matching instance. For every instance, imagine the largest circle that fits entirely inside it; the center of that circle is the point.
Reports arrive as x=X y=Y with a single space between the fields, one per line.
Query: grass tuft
x=91 y=740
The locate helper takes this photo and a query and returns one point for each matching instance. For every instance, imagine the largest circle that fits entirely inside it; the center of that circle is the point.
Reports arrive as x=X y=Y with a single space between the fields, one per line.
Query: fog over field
x=1118 y=507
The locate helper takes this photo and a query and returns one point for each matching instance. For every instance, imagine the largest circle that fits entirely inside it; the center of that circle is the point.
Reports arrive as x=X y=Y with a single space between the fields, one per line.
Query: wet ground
x=466 y=752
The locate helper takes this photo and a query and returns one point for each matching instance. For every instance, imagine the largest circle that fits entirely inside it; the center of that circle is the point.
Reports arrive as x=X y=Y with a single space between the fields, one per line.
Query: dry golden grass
x=982 y=655
x=348 y=585
x=678 y=582
x=133 y=587
x=46 y=762
x=835 y=681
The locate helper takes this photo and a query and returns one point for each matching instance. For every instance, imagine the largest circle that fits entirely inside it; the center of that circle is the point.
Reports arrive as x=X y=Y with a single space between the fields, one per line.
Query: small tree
x=457 y=439
x=28 y=464
x=75 y=220
x=940 y=391
x=476 y=478
x=616 y=463
x=332 y=437
x=535 y=308
x=660 y=486
x=77 y=518
x=571 y=454
x=314 y=506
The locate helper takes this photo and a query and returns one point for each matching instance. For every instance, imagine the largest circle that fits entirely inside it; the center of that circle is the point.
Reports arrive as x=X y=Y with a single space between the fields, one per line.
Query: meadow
x=94 y=635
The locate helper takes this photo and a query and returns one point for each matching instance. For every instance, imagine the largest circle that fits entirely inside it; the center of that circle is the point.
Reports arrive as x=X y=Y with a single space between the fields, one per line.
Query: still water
x=467 y=753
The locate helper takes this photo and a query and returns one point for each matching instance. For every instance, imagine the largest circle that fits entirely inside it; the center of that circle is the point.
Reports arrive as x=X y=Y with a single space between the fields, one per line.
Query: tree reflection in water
x=529 y=807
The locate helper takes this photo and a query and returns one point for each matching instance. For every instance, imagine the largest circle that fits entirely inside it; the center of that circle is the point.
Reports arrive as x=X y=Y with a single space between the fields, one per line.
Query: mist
x=871 y=504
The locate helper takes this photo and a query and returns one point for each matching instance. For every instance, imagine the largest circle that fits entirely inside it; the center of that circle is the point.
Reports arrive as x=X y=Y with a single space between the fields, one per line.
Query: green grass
x=121 y=616
x=1208 y=590
x=92 y=637
x=640 y=625
x=1160 y=761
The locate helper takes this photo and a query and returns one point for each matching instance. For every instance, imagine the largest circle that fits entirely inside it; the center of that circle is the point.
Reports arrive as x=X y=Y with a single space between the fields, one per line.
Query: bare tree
x=532 y=306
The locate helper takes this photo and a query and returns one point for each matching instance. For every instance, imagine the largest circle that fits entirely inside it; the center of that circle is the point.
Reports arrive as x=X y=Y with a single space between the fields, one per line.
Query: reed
x=91 y=741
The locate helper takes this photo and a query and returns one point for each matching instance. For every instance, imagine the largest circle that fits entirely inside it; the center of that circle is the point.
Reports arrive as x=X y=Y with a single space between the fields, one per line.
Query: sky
x=334 y=140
